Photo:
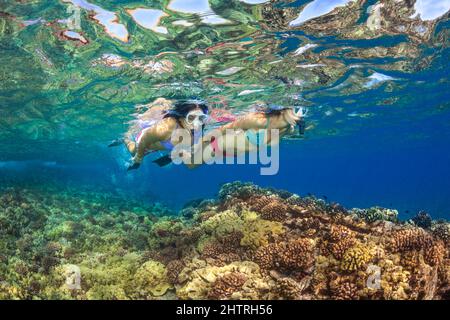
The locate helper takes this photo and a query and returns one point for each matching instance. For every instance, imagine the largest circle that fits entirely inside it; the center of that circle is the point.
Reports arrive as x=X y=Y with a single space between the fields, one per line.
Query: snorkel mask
x=196 y=119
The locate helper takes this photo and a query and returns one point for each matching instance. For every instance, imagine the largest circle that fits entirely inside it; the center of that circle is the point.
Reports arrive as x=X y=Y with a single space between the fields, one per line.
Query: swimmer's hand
x=133 y=166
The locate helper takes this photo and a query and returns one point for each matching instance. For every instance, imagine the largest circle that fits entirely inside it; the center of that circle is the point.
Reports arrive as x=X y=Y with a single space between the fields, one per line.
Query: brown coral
x=410 y=260
x=296 y=254
x=274 y=211
x=258 y=203
x=308 y=223
x=265 y=257
x=339 y=248
x=410 y=239
x=290 y=288
x=270 y=207
x=226 y=285
x=174 y=268
x=339 y=232
x=434 y=255
x=212 y=250
x=345 y=291
x=291 y=255
x=223 y=245
x=341 y=239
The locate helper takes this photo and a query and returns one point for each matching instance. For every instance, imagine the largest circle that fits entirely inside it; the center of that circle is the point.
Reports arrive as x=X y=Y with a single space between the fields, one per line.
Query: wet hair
x=183 y=107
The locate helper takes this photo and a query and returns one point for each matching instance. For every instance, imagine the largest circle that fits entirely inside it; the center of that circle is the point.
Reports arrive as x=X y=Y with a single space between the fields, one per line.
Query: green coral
x=256 y=231
x=151 y=279
x=109 y=277
x=222 y=223
x=165 y=232
x=377 y=213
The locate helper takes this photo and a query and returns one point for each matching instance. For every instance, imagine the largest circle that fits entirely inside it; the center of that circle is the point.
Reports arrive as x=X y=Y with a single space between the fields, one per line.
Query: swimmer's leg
x=131 y=146
x=129 y=143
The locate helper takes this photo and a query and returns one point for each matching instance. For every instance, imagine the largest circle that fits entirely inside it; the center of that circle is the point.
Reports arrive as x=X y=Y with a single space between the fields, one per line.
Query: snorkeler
x=154 y=129
x=256 y=128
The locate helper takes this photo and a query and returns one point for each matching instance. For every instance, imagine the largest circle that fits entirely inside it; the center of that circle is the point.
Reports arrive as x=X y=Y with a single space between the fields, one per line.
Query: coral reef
x=355 y=258
x=411 y=239
x=343 y=289
x=293 y=255
x=226 y=285
x=376 y=213
x=442 y=231
x=250 y=243
x=422 y=220
x=151 y=279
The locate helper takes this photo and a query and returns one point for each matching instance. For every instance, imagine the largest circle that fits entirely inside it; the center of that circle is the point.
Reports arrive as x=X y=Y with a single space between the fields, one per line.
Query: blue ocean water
x=408 y=177
x=378 y=102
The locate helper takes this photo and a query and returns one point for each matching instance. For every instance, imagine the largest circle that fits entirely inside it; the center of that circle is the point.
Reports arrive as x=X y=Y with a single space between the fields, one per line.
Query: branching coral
x=174 y=268
x=226 y=285
x=275 y=211
x=434 y=255
x=224 y=249
x=270 y=208
x=294 y=255
x=258 y=203
x=394 y=281
x=341 y=239
x=343 y=288
x=288 y=288
x=410 y=239
x=356 y=257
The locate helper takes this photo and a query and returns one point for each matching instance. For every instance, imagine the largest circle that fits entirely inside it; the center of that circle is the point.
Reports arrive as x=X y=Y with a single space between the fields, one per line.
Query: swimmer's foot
x=133 y=166
x=115 y=143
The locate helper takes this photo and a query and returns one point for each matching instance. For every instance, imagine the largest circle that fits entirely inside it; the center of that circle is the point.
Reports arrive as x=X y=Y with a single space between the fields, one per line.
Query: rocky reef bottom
x=249 y=243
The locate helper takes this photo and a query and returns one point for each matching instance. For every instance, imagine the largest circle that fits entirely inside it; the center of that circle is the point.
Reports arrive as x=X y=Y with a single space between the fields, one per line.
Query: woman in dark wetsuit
x=189 y=115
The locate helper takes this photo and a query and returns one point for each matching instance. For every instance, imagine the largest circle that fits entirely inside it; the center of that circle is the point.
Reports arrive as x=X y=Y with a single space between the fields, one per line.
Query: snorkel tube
x=301 y=123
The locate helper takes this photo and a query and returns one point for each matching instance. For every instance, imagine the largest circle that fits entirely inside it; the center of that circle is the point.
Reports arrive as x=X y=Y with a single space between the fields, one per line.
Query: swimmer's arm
x=249 y=121
x=246 y=122
x=159 y=132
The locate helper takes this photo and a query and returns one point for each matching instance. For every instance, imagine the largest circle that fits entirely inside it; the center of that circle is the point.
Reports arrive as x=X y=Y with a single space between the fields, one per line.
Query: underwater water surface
x=372 y=76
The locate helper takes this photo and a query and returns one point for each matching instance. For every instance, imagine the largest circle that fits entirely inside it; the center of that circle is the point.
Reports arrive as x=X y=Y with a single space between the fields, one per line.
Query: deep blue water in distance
x=408 y=178
x=360 y=171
